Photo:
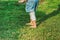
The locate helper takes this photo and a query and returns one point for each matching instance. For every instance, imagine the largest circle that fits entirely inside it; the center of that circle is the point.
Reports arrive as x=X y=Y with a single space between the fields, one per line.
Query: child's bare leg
x=33 y=19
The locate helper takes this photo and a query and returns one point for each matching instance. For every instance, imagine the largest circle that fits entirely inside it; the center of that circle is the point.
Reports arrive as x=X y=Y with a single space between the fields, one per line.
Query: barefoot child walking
x=31 y=8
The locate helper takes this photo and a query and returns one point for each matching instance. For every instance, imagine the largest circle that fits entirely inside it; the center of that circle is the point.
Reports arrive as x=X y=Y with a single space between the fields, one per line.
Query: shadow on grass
x=45 y=17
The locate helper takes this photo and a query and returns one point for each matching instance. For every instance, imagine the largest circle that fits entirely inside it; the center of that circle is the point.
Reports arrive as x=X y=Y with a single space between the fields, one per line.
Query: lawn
x=13 y=19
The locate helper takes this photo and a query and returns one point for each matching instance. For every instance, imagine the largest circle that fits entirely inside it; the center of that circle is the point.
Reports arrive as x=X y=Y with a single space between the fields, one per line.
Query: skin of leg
x=33 y=19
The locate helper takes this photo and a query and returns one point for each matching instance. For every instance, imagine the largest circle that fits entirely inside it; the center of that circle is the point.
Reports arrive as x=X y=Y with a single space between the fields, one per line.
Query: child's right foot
x=32 y=24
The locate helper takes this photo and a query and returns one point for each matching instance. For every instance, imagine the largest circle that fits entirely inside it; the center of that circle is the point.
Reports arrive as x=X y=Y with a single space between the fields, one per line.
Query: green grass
x=13 y=19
